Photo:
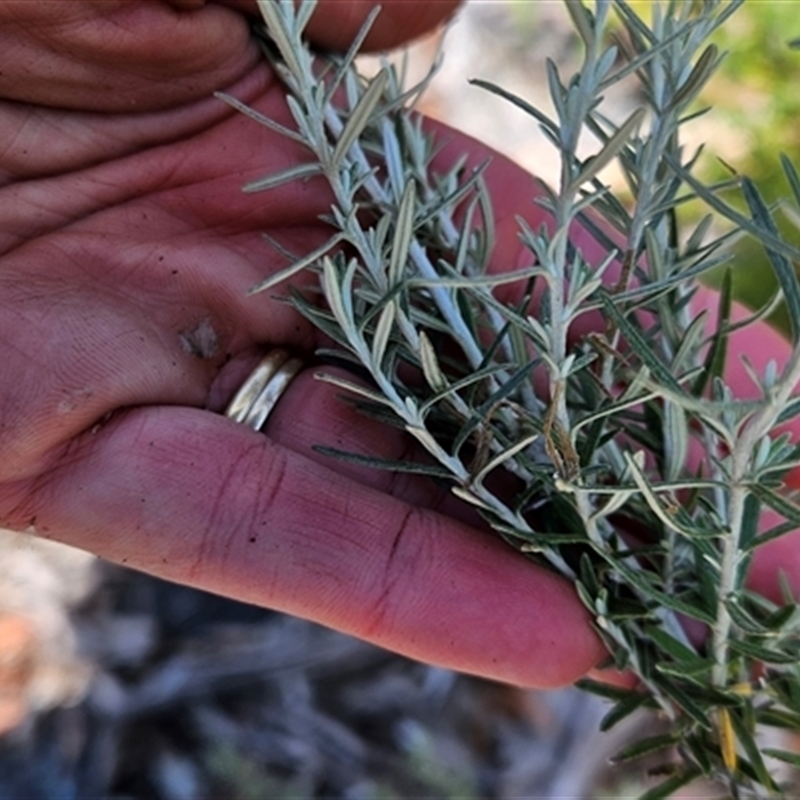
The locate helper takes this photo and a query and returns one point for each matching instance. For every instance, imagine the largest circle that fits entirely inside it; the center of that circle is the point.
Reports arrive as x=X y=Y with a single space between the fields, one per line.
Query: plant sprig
x=598 y=429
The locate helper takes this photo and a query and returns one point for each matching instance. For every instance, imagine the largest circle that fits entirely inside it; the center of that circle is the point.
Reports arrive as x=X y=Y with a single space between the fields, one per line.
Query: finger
x=336 y=23
x=119 y=55
x=41 y=142
x=194 y=498
x=193 y=183
x=313 y=414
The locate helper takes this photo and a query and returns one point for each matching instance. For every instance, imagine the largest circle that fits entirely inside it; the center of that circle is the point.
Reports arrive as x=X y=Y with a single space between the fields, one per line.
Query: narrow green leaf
x=672 y=784
x=687 y=703
x=595 y=164
x=698 y=235
x=624 y=708
x=640 y=580
x=750 y=519
x=743 y=619
x=779 y=618
x=783 y=267
x=346 y=63
x=303 y=14
x=545 y=121
x=487 y=239
x=298 y=266
x=617 y=500
x=360 y=116
x=258 y=117
x=686 y=354
x=445 y=204
x=508 y=386
x=777 y=502
x=783 y=755
x=403 y=233
x=383 y=330
x=718 y=352
x=698 y=746
x=748 y=744
x=759 y=653
x=474 y=379
x=430 y=364
x=696 y=671
x=673 y=521
x=612 y=409
x=676 y=440
x=337 y=294
x=621 y=610
x=678 y=650
x=353 y=388
x=646 y=746
x=698 y=77
x=322 y=319
x=768 y=240
x=538 y=542
x=639 y=346
x=786 y=686
x=582 y=21
x=301 y=171
x=276 y=28
x=452 y=280
x=778 y=718
x=504 y=456
x=649 y=291
x=773 y=533
x=589 y=575
x=605 y=690
x=636 y=27
x=791 y=175
x=583 y=593
x=392 y=465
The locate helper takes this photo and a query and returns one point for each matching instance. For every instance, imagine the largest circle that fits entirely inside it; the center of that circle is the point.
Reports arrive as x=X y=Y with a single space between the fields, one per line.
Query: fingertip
x=336 y=23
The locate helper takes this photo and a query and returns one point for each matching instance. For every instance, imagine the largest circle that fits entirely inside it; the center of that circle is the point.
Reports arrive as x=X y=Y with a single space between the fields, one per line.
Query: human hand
x=126 y=253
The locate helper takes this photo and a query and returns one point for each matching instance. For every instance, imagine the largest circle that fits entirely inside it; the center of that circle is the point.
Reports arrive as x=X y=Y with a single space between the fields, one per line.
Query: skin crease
x=126 y=253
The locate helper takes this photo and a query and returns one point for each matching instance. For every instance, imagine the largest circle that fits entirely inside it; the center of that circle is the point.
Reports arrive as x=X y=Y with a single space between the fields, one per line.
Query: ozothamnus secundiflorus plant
x=601 y=444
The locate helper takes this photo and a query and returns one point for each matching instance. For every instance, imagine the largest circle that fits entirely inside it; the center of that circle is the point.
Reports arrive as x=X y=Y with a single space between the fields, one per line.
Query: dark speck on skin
x=201 y=340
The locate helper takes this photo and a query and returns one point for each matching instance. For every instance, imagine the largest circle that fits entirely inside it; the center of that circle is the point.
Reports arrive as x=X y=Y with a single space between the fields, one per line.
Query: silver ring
x=260 y=393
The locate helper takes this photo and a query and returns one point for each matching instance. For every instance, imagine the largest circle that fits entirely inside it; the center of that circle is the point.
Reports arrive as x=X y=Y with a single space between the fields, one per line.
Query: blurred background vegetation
x=757 y=110
x=755 y=97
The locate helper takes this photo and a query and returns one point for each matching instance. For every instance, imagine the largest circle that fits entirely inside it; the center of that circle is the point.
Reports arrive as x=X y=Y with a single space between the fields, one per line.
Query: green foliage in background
x=755 y=90
x=757 y=107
